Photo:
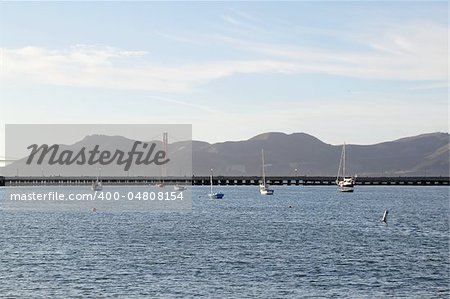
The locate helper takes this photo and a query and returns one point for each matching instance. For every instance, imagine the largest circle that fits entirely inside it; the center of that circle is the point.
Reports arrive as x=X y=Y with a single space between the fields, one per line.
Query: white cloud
x=231 y=20
x=410 y=52
x=93 y=66
x=429 y=86
x=177 y=38
x=414 y=52
x=187 y=104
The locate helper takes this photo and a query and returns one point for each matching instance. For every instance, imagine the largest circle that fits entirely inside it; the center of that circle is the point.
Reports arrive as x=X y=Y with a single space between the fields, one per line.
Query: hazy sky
x=341 y=71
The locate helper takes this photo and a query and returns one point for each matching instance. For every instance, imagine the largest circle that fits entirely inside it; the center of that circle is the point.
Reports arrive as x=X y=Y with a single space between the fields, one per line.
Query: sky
x=359 y=72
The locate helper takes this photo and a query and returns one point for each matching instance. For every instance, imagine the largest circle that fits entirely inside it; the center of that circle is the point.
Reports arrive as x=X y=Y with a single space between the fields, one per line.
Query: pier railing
x=223 y=180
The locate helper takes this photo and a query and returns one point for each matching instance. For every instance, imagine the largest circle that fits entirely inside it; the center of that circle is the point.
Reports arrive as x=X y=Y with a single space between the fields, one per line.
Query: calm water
x=328 y=244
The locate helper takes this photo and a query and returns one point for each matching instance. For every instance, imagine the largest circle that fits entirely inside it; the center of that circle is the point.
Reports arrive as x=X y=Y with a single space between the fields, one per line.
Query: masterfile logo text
x=141 y=153
x=150 y=150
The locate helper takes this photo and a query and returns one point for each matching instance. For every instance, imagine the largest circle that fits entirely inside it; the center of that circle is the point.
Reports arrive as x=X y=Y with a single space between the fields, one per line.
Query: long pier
x=223 y=181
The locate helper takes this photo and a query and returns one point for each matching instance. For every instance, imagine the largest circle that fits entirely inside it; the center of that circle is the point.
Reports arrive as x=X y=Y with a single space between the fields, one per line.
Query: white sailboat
x=264 y=188
x=179 y=187
x=97 y=184
x=160 y=184
x=345 y=184
x=214 y=195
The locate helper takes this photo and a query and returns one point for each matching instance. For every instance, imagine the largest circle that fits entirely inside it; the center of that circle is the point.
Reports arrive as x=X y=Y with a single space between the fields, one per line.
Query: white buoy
x=384 y=219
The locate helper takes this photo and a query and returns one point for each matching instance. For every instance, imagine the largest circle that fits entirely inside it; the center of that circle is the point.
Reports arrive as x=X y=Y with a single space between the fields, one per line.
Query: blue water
x=327 y=244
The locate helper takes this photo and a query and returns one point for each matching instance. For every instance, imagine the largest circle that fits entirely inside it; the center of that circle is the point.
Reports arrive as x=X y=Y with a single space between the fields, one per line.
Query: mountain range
x=422 y=155
x=285 y=155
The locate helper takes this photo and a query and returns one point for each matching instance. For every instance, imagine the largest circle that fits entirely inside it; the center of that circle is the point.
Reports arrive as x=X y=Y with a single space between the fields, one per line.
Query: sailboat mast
x=340 y=163
x=263 y=167
x=210 y=180
x=343 y=171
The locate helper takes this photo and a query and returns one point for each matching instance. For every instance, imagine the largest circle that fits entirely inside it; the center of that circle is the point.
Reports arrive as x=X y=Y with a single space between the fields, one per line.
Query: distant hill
x=426 y=154
x=422 y=155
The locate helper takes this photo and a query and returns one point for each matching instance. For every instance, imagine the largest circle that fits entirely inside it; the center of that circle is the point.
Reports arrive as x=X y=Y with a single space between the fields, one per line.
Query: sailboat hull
x=97 y=187
x=216 y=195
x=266 y=192
x=345 y=189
